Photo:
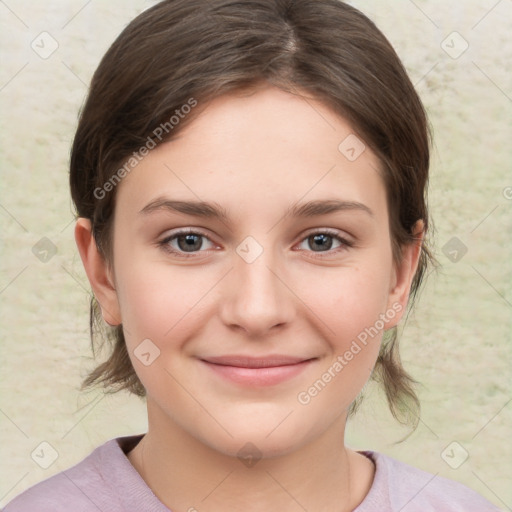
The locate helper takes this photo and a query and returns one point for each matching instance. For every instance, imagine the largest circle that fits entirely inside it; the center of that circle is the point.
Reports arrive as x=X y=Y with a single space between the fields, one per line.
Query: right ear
x=98 y=272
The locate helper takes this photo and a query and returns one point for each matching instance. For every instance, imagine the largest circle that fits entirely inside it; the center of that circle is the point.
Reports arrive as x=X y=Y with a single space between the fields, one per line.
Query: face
x=253 y=272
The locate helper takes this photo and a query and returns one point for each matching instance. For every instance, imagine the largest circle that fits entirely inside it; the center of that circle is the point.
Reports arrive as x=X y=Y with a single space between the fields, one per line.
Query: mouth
x=257 y=371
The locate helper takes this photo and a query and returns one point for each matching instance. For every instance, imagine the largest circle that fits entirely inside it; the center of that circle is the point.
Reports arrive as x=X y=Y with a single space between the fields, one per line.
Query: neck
x=187 y=475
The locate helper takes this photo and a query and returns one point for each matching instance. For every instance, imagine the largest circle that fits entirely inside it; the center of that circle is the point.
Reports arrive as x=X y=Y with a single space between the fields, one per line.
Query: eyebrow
x=324 y=207
x=215 y=211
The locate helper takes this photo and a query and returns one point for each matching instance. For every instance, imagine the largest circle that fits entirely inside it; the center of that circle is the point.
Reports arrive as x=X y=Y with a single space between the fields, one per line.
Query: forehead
x=254 y=151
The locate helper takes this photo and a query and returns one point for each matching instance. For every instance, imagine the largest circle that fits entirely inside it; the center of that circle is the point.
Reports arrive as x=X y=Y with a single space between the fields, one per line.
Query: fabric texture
x=106 y=481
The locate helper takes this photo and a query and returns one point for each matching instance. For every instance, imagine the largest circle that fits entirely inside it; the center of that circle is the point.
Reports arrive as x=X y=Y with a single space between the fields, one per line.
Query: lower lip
x=259 y=376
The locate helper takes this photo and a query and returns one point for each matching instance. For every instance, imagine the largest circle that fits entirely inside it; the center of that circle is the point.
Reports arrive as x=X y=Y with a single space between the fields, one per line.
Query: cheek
x=351 y=313
x=155 y=298
x=349 y=300
x=351 y=326
x=166 y=306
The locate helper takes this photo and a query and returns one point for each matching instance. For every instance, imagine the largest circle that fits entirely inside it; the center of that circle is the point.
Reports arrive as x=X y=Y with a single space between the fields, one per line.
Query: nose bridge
x=258 y=299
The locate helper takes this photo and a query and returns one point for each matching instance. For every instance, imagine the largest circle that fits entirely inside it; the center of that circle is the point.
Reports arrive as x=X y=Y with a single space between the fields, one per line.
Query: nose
x=256 y=298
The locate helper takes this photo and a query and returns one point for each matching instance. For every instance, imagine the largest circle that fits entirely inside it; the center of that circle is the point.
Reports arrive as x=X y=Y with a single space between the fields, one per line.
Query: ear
x=99 y=273
x=403 y=275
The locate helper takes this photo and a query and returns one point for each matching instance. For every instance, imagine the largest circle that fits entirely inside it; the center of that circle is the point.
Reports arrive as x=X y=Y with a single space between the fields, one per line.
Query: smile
x=257 y=371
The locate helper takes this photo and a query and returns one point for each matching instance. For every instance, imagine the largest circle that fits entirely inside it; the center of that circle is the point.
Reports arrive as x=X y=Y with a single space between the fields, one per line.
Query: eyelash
x=164 y=244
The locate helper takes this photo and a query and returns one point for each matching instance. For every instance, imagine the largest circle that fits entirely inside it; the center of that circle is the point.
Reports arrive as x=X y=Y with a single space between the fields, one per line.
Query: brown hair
x=183 y=51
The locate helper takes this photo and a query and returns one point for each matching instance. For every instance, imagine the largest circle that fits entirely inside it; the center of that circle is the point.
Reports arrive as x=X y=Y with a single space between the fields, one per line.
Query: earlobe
x=98 y=272
x=404 y=274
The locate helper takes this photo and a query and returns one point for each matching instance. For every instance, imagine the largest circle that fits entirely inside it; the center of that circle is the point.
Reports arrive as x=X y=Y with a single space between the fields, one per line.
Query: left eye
x=323 y=241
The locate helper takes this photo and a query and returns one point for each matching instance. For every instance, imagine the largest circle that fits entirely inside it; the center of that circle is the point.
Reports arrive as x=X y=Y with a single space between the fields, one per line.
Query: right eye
x=184 y=243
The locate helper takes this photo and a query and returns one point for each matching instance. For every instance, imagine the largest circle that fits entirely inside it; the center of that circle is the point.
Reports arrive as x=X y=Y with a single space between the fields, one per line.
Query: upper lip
x=242 y=361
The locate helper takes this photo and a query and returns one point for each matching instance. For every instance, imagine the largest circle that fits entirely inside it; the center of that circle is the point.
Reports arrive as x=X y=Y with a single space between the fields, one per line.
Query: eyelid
x=327 y=231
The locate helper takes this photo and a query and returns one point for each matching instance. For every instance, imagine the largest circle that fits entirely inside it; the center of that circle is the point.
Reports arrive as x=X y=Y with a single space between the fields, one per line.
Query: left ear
x=404 y=272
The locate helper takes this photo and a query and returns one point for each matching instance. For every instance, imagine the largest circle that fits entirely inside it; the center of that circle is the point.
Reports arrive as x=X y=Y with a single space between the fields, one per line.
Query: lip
x=257 y=371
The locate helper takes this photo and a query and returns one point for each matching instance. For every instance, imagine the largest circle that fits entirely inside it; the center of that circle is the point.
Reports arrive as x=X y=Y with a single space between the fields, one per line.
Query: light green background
x=456 y=343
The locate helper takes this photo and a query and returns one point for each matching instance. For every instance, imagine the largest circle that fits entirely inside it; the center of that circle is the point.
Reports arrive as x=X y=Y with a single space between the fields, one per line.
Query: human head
x=189 y=52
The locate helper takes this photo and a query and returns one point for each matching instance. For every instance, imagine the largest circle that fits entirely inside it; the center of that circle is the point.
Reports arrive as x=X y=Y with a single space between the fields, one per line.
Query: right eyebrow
x=195 y=208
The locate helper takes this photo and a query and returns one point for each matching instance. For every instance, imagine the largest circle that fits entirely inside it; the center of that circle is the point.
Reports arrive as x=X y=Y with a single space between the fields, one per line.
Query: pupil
x=192 y=242
x=324 y=242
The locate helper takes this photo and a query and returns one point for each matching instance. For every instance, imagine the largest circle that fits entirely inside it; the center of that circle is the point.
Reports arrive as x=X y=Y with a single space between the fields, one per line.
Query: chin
x=251 y=446
x=261 y=437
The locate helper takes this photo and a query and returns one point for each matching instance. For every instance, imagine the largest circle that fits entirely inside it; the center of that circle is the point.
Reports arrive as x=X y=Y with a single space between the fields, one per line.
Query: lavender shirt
x=105 y=481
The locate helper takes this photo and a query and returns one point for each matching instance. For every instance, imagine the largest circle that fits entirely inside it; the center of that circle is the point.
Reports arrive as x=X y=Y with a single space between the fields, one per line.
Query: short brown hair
x=201 y=49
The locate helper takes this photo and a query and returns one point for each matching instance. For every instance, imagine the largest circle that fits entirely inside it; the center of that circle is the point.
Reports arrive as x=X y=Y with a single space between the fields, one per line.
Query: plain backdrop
x=456 y=342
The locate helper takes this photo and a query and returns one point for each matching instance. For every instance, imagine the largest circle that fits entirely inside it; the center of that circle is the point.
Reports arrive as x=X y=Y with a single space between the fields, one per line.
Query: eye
x=186 y=241
x=325 y=240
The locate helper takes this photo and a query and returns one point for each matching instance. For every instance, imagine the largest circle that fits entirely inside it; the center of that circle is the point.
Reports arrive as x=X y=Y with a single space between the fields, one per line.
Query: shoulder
x=408 y=489
x=55 y=494
x=84 y=487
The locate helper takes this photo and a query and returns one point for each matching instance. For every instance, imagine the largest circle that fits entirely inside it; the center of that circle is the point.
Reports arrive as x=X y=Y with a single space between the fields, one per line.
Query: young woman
x=250 y=182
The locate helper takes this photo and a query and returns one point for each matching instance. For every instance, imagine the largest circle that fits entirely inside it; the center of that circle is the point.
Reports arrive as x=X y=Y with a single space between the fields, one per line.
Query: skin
x=255 y=155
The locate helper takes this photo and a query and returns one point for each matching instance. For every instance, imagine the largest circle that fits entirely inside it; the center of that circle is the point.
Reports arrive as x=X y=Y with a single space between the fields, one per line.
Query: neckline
x=150 y=502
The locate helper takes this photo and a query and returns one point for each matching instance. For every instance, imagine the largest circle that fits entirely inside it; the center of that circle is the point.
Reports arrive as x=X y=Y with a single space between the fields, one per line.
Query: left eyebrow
x=324 y=207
